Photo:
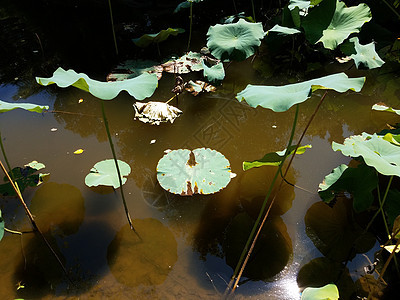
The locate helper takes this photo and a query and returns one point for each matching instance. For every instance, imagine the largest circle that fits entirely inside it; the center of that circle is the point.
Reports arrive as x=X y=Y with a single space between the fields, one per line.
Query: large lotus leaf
x=365 y=54
x=186 y=172
x=149 y=38
x=235 y=41
x=281 y=30
x=345 y=21
x=360 y=182
x=273 y=158
x=384 y=107
x=326 y=292
x=334 y=231
x=5 y=106
x=145 y=262
x=281 y=98
x=139 y=87
x=214 y=73
x=1 y=226
x=105 y=173
x=375 y=150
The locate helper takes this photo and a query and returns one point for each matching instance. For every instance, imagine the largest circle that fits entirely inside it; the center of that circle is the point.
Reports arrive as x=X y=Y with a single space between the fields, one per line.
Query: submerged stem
x=118 y=171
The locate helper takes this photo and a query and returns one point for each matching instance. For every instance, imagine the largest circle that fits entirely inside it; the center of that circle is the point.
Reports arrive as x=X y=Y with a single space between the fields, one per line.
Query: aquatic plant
x=329 y=291
x=105 y=173
x=155 y=112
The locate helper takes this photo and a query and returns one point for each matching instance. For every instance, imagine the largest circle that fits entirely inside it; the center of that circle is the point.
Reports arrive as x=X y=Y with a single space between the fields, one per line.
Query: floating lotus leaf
x=375 y=150
x=334 y=231
x=145 y=262
x=281 y=98
x=105 y=173
x=383 y=107
x=344 y=21
x=185 y=172
x=214 y=73
x=133 y=68
x=235 y=41
x=360 y=182
x=155 y=112
x=25 y=177
x=280 y=30
x=5 y=106
x=365 y=54
x=139 y=87
x=147 y=39
x=199 y=86
x=187 y=63
x=1 y=226
x=327 y=292
x=273 y=158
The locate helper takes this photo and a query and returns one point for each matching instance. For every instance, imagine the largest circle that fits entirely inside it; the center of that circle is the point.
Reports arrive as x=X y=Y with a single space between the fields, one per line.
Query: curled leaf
x=5 y=106
x=155 y=112
x=199 y=86
x=383 y=107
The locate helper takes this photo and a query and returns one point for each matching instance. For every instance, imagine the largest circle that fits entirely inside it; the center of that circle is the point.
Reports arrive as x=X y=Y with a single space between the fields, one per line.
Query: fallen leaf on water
x=155 y=112
x=79 y=151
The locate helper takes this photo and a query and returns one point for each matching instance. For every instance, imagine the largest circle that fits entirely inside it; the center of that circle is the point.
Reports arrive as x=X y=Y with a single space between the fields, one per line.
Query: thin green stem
x=118 y=170
x=381 y=203
x=190 y=25
x=112 y=27
x=254 y=11
x=392 y=9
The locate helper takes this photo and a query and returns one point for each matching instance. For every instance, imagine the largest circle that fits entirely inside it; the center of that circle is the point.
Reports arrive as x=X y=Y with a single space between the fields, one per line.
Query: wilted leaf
x=327 y=292
x=133 y=68
x=155 y=112
x=147 y=39
x=214 y=73
x=281 y=98
x=273 y=158
x=185 y=172
x=199 y=86
x=139 y=87
x=5 y=106
x=280 y=30
x=187 y=63
x=376 y=152
x=235 y=41
x=105 y=173
x=384 y=107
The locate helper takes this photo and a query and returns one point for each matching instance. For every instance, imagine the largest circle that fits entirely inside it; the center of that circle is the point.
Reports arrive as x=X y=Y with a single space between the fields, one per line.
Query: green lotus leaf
x=281 y=98
x=365 y=54
x=214 y=73
x=150 y=38
x=280 y=30
x=5 y=107
x=376 y=152
x=332 y=22
x=186 y=172
x=384 y=107
x=139 y=87
x=301 y=4
x=360 y=182
x=235 y=41
x=1 y=226
x=273 y=158
x=105 y=173
x=327 y=292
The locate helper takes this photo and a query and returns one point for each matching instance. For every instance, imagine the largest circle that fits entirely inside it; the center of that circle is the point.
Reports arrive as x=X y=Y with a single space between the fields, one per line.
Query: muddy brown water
x=189 y=244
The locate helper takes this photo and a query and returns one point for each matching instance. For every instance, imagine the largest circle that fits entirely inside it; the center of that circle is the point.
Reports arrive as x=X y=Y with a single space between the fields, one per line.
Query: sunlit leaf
x=273 y=158
x=105 y=173
x=5 y=106
x=214 y=73
x=235 y=41
x=185 y=172
x=376 y=152
x=301 y=4
x=390 y=248
x=281 y=98
x=190 y=62
x=365 y=54
x=155 y=112
x=383 y=107
x=150 y=38
x=199 y=86
x=280 y=30
x=327 y=292
x=139 y=87
x=1 y=226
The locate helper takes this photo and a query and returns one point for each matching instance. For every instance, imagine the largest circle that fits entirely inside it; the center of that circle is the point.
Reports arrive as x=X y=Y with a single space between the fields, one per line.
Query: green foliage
x=5 y=107
x=105 y=173
x=185 y=4
x=185 y=172
x=214 y=73
x=327 y=292
x=365 y=54
x=155 y=38
x=281 y=98
x=273 y=158
x=280 y=30
x=384 y=107
x=24 y=177
x=139 y=87
x=235 y=41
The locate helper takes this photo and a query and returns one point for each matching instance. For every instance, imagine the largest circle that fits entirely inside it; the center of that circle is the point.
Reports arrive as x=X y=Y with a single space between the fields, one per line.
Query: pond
x=190 y=244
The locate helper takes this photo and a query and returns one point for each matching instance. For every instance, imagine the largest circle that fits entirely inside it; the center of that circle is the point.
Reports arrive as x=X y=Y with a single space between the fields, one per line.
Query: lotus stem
x=5 y=157
x=254 y=12
x=118 y=171
x=190 y=25
x=112 y=28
